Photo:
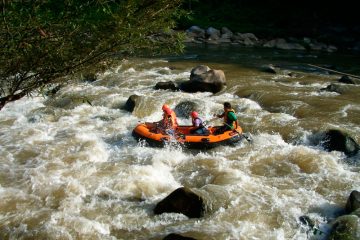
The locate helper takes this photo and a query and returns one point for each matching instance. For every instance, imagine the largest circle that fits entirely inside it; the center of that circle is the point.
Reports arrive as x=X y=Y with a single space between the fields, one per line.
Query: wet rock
x=131 y=103
x=353 y=202
x=183 y=109
x=339 y=88
x=226 y=33
x=345 y=227
x=281 y=43
x=332 y=88
x=204 y=79
x=306 y=221
x=174 y=236
x=346 y=79
x=197 y=72
x=195 y=32
x=335 y=140
x=182 y=200
x=212 y=33
x=170 y=85
x=270 y=69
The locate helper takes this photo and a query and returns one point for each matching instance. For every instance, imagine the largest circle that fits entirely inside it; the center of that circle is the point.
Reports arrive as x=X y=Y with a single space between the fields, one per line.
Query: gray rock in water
x=182 y=200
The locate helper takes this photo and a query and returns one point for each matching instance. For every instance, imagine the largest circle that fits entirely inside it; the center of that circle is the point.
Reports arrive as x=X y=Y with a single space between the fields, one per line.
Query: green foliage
x=46 y=40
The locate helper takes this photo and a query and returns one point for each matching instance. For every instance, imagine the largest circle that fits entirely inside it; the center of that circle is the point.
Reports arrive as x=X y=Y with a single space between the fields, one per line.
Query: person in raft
x=198 y=125
x=230 y=118
x=168 y=123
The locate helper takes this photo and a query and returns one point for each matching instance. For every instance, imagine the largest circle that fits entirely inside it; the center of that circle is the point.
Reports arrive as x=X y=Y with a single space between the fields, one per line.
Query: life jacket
x=201 y=122
x=170 y=121
x=229 y=122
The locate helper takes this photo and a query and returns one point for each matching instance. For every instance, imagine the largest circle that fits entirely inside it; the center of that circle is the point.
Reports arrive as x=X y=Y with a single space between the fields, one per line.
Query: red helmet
x=165 y=106
x=168 y=111
x=194 y=114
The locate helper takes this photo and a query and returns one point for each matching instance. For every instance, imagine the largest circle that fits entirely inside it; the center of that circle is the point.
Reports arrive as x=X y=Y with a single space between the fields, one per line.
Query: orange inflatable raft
x=155 y=137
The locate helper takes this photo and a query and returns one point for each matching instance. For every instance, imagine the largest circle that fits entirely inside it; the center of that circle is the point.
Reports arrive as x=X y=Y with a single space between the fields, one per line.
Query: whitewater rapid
x=71 y=170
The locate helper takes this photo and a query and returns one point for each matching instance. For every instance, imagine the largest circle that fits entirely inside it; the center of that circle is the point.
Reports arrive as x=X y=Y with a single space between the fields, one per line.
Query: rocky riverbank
x=224 y=35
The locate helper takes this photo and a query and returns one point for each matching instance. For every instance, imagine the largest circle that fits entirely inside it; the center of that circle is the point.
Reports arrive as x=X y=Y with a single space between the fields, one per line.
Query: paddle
x=248 y=138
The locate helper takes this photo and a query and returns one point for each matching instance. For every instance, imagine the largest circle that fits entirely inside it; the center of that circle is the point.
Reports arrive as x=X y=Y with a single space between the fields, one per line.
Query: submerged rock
x=131 y=103
x=174 y=236
x=182 y=200
x=170 y=85
x=333 y=88
x=346 y=80
x=270 y=69
x=183 y=109
x=307 y=221
x=335 y=140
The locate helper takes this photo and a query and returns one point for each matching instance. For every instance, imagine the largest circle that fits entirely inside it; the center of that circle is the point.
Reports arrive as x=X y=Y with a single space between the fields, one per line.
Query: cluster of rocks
x=345 y=226
x=202 y=79
x=212 y=35
x=194 y=203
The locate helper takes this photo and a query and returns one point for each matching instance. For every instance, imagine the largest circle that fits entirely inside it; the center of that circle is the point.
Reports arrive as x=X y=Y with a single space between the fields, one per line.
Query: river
x=71 y=170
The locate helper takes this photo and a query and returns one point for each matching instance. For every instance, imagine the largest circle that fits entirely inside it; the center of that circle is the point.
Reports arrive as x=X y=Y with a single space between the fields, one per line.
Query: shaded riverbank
x=334 y=23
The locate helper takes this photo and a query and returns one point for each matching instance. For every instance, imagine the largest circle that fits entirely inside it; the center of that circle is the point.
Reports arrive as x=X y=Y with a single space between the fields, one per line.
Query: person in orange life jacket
x=198 y=125
x=230 y=118
x=169 y=122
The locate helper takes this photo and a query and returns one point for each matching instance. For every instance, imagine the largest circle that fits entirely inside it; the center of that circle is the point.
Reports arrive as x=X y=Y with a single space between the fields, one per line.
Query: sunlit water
x=69 y=170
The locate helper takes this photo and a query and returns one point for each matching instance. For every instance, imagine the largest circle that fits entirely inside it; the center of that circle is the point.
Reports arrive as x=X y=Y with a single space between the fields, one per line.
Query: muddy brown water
x=72 y=171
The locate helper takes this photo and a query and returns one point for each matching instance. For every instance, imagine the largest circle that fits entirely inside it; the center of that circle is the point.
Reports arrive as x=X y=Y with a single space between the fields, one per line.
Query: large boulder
x=353 y=202
x=182 y=200
x=335 y=140
x=204 y=79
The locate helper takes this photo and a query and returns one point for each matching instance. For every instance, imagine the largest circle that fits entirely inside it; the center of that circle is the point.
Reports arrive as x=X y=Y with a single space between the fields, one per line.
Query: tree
x=46 y=40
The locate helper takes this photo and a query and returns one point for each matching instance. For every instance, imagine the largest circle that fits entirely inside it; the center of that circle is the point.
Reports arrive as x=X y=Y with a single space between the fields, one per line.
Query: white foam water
x=70 y=170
